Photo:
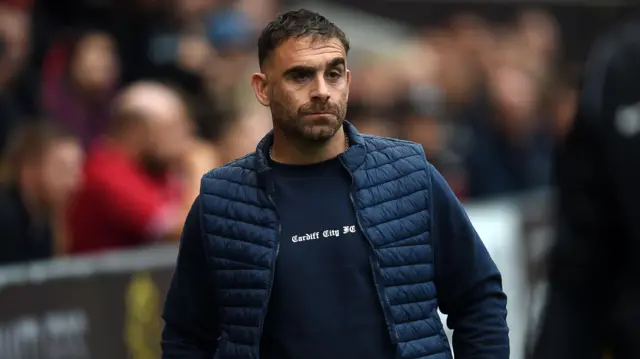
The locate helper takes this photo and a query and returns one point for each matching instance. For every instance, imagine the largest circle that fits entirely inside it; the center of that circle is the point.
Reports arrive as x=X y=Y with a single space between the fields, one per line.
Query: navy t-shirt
x=323 y=302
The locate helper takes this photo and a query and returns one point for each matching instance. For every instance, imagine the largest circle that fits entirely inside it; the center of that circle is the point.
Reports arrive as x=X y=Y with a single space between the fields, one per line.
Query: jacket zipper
x=382 y=294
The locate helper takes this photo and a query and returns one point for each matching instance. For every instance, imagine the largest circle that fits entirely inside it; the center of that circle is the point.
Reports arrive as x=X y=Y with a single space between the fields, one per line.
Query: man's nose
x=320 y=91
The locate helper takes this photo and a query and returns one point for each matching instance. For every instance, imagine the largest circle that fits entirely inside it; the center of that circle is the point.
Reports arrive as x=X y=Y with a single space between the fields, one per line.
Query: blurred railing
x=107 y=306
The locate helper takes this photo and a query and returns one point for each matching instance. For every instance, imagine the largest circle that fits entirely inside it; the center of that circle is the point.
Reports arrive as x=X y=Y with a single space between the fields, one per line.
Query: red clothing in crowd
x=119 y=204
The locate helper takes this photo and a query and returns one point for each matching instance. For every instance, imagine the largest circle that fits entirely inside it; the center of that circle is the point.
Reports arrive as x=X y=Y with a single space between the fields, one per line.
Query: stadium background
x=435 y=72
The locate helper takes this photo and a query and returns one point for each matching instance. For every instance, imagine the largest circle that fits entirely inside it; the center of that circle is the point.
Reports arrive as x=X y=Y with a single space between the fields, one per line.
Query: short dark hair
x=296 y=24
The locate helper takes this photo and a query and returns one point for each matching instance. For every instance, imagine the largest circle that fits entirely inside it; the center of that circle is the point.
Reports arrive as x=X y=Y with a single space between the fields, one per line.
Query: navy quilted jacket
x=220 y=291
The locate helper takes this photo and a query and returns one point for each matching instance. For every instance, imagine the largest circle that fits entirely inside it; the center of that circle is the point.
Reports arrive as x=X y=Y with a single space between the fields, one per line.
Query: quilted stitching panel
x=225 y=219
x=411 y=293
x=392 y=196
x=409 y=274
x=406 y=255
x=405 y=196
x=413 y=312
x=240 y=297
x=238 y=218
x=236 y=181
x=424 y=348
x=240 y=227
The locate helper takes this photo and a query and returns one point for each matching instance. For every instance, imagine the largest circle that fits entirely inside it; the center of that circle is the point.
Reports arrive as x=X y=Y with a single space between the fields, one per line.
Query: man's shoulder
x=241 y=170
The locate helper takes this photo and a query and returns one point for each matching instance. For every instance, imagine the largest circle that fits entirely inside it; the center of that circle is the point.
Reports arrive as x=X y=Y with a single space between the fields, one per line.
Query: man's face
x=61 y=171
x=168 y=138
x=305 y=82
x=95 y=64
x=14 y=32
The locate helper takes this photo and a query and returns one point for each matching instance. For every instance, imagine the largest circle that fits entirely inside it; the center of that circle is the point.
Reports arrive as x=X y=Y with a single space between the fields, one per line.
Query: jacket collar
x=355 y=155
x=352 y=158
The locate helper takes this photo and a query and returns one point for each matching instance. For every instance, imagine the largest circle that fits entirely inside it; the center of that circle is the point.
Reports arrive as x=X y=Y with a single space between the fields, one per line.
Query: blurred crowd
x=110 y=111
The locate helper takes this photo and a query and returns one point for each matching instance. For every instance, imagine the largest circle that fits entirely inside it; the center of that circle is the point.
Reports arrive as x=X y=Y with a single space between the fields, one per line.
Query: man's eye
x=335 y=74
x=300 y=77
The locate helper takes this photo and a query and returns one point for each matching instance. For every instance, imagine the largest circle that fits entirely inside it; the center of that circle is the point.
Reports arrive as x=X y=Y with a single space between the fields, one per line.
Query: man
x=80 y=96
x=593 y=304
x=325 y=243
x=41 y=169
x=131 y=195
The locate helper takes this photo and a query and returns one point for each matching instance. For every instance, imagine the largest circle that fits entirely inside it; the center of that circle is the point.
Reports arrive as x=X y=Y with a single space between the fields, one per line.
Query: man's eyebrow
x=338 y=61
x=300 y=69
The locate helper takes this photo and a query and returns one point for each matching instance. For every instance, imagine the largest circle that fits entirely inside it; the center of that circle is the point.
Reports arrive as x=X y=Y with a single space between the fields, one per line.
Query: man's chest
x=320 y=229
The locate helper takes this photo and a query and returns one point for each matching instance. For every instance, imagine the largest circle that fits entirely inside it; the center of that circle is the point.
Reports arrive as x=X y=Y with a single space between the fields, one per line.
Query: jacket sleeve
x=190 y=311
x=468 y=283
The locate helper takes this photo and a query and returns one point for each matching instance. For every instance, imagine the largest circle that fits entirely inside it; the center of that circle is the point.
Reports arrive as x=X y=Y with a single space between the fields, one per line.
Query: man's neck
x=288 y=151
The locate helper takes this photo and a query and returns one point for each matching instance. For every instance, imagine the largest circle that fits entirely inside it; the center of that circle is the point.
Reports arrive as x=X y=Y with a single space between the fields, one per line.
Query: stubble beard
x=294 y=126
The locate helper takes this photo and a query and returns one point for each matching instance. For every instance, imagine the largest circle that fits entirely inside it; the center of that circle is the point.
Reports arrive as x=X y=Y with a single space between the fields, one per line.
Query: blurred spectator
x=458 y=70
x=79 y=97
x=472 y=34
x=481 y=96
x=179 y=49
x=190 y=13
x=14 y=51
x=243 y=135
x=539 y=31
x=258 y=12
x=562 y=102
x=229 y=29
x=375 y=126
x=510 y=146
x=133 y=193
x=40 y=171
x=593 y=301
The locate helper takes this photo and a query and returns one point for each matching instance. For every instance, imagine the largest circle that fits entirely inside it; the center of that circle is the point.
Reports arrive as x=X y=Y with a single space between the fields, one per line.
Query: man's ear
x=259 y=84
x=348 y=73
